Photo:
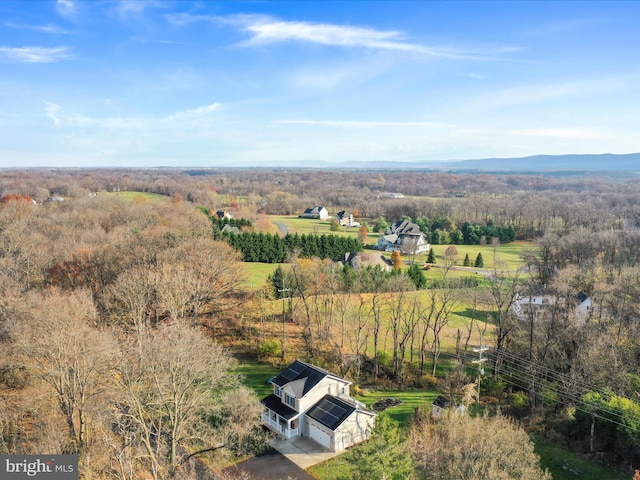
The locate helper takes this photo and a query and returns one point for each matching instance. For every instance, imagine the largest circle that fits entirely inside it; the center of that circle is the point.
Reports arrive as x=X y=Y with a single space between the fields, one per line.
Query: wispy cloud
x=66 y=8
x=51 y=110
x=48 y=28
x=195 y=112
x=362 y=124
x=265 y=30
x=127 y=7
x=35 y=54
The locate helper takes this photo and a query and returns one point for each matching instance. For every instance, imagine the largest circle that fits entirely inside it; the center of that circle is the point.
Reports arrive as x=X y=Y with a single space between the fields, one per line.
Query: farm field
x=140 y=197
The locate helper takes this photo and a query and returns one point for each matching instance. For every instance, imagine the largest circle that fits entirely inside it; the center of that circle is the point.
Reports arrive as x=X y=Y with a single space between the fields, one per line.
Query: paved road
x=270 y=466
x=282 y=228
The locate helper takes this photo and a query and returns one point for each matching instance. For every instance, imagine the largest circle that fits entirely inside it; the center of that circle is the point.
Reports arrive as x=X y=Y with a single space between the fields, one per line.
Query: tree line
x=272 y=248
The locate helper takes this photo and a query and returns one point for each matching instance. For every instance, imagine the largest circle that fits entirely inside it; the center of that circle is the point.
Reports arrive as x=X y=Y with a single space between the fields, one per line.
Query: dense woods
x=114 y=307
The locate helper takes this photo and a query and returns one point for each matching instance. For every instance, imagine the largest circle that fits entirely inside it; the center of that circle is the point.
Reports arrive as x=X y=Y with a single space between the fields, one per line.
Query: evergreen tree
x=431 y=258
x=385 y=455
x=276 y=279
x=479 y=261
x=466 y=262
x=416 y=275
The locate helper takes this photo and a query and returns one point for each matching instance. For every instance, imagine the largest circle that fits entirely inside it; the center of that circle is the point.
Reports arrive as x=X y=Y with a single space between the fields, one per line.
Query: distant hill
x=605 y=162
x=602 y=162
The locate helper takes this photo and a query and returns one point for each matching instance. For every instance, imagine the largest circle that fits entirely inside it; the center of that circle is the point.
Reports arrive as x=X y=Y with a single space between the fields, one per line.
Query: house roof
x=298 y=370
x=390 y=238
x=274 y=403
x=404 y=226
x=330 y=411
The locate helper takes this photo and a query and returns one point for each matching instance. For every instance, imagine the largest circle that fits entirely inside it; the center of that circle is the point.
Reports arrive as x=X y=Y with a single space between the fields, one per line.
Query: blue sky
x=221 y=83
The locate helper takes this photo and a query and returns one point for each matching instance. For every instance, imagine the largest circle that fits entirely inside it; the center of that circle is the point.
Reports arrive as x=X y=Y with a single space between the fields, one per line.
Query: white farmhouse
x=308 y=401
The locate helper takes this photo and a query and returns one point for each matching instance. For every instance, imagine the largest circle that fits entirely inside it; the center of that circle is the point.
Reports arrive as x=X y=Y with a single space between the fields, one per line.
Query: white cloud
x=66 y=8
x=51 y=110
x=267 y=31
x=48 y=28
x=195 y=112
x=362 y=124
x=126 y=7
x=35 y=54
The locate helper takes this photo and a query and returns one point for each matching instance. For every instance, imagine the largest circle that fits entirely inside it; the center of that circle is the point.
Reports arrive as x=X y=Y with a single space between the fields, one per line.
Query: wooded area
x=121 y=311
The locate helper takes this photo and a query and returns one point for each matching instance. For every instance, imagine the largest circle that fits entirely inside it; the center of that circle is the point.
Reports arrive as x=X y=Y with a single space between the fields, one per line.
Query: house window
x=289 y=400
x=278 y=391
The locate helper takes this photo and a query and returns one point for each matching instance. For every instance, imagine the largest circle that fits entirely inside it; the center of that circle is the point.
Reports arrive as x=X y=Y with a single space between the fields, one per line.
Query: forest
x=125 y=311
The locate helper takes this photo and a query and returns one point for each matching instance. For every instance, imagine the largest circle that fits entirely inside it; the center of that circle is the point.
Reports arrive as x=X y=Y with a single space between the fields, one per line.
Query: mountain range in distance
x=538 y=163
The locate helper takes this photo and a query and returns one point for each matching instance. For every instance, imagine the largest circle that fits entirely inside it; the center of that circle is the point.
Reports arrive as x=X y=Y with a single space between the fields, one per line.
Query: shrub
x=270 y=347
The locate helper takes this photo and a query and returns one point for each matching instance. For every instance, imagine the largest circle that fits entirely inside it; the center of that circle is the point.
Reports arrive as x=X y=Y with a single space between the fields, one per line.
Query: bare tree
x=450 y=259
x=64 y=349
x=173 y=385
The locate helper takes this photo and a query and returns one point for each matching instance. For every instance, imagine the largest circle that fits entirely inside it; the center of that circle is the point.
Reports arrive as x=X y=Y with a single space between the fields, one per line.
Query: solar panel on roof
x=292 y=372
x=336 y=411
x=328 y=413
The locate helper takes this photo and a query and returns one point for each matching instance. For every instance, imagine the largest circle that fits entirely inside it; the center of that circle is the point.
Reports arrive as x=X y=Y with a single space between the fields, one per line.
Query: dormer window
x=289 y=400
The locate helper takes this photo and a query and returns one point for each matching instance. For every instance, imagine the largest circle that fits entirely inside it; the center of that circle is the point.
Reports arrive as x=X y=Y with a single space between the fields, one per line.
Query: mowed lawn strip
x=411 y=399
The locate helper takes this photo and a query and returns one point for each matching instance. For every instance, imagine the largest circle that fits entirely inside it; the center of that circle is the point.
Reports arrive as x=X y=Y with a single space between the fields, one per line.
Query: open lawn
x=257 y=274
x=255 y=376
x=317 y=227
x=139 y=197
x=411 y=399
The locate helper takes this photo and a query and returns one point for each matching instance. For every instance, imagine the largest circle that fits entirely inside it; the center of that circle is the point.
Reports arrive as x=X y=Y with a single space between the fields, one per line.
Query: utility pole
x=479 y=350
x=284 y=331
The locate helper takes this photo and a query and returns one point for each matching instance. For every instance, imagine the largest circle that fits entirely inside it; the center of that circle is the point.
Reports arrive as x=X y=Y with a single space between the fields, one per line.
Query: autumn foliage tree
x=397 y=260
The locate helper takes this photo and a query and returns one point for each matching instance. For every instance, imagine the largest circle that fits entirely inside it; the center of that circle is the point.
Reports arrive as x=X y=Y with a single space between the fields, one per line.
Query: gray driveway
x=270 y=466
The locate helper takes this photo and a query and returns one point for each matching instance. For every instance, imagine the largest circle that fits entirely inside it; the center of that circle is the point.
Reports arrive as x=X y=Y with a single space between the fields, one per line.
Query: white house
x=310 y=401
x=346 y=219
x=405 y=237
x=535 y=300
x=316 y=212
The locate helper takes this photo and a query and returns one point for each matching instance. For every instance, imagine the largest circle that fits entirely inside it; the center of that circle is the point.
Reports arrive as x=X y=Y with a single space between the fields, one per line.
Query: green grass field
x=255 y=376
x=140 y=197
x=411 y=399
x=257 y=274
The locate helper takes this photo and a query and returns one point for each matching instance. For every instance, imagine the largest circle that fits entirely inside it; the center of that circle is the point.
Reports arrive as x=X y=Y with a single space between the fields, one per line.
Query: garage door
x=319 y=436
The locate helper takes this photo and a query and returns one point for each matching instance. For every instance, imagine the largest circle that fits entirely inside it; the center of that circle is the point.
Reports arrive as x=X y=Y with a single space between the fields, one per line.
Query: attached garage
x=320 y=436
